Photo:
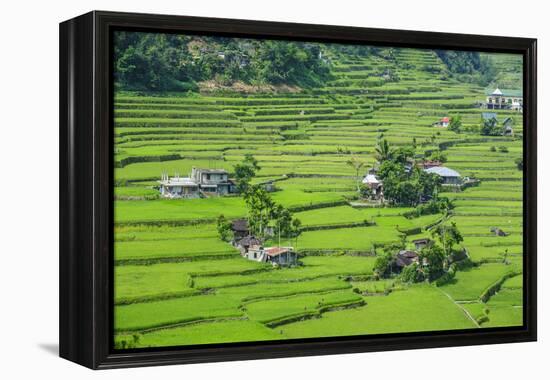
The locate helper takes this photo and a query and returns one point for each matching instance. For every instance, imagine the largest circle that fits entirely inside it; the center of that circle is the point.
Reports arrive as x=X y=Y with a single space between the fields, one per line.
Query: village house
x=421 y=243
x=178 y=187
x=443 y=122
x=449 y=176
x=375 y=185
x=201 y=181
x=213 y=180
x=282 y=256
x=239 y=227
x=505 y=99
x=245 y=243
x=405 y=258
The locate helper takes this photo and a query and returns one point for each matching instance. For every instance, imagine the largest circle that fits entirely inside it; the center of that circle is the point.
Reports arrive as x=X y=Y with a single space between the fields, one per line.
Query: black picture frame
x=86 y=202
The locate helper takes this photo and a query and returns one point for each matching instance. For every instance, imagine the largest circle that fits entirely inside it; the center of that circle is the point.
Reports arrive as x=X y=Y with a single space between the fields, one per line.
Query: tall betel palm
x=356 y=164
x=383 y=150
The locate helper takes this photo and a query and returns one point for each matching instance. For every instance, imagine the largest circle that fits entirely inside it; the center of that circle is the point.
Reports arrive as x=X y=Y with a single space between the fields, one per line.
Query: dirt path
x=461 y=308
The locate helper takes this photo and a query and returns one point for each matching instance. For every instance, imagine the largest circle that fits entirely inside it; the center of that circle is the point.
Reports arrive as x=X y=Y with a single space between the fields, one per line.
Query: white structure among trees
x=210 y=181
x=505 y=99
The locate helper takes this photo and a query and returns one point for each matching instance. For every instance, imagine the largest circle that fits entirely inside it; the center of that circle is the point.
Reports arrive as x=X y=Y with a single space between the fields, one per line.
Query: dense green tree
x=365 y=191
x=260 y=209
x=224 y=228
x=283 y=222
x=432 y=258
x=489 y=127
x=245 y=171
x=383 y=264
x=167 y=62
x=296 y=231
x=468 y=66
x=383 y=151
x=435 y=155
x=455 y=124
x=448 y=236
x=403 y=155
x=413 y=273
x=407 y=187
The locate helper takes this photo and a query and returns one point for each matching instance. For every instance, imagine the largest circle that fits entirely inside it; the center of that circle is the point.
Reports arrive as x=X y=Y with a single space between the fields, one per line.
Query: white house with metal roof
x=449 y=176
x=505 y=99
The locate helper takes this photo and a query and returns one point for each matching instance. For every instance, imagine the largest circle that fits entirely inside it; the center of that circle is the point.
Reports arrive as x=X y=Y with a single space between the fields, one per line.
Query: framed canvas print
x=238 y=189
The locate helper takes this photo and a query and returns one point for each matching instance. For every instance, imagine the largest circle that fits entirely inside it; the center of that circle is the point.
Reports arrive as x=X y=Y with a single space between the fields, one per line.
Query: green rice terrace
x=180 y=281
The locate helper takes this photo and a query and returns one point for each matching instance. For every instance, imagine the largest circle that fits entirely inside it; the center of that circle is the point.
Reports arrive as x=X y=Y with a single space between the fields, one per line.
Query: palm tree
x=356 y=164
x=383 y=150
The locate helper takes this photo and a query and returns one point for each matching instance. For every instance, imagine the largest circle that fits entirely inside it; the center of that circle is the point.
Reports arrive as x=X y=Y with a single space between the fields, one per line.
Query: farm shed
x=449 y=176
x=421 y=243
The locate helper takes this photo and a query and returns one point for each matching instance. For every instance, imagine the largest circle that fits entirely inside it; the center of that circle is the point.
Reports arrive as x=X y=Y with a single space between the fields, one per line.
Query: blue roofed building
x=449 y=176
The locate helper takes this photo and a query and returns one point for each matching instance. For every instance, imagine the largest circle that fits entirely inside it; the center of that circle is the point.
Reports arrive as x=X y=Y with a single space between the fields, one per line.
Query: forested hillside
x=168 y=62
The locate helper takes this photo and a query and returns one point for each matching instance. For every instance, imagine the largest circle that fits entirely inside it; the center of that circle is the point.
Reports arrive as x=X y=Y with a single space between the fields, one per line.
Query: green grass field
x=178 y=283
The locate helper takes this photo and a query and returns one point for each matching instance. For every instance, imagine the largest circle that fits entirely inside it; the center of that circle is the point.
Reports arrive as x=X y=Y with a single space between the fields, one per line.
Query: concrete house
x=178 y=187
x=213 y=180
x=282 y=256
x=449 y=176
x=199 y=183
x=504 y=99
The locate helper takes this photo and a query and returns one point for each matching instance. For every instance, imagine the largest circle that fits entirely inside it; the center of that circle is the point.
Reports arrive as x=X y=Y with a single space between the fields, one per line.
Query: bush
x=412 y=273
x=435 y=206
x=503 y=149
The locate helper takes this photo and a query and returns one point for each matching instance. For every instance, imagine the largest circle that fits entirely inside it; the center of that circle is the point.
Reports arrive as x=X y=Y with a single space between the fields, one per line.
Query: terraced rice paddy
x=177 y=283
